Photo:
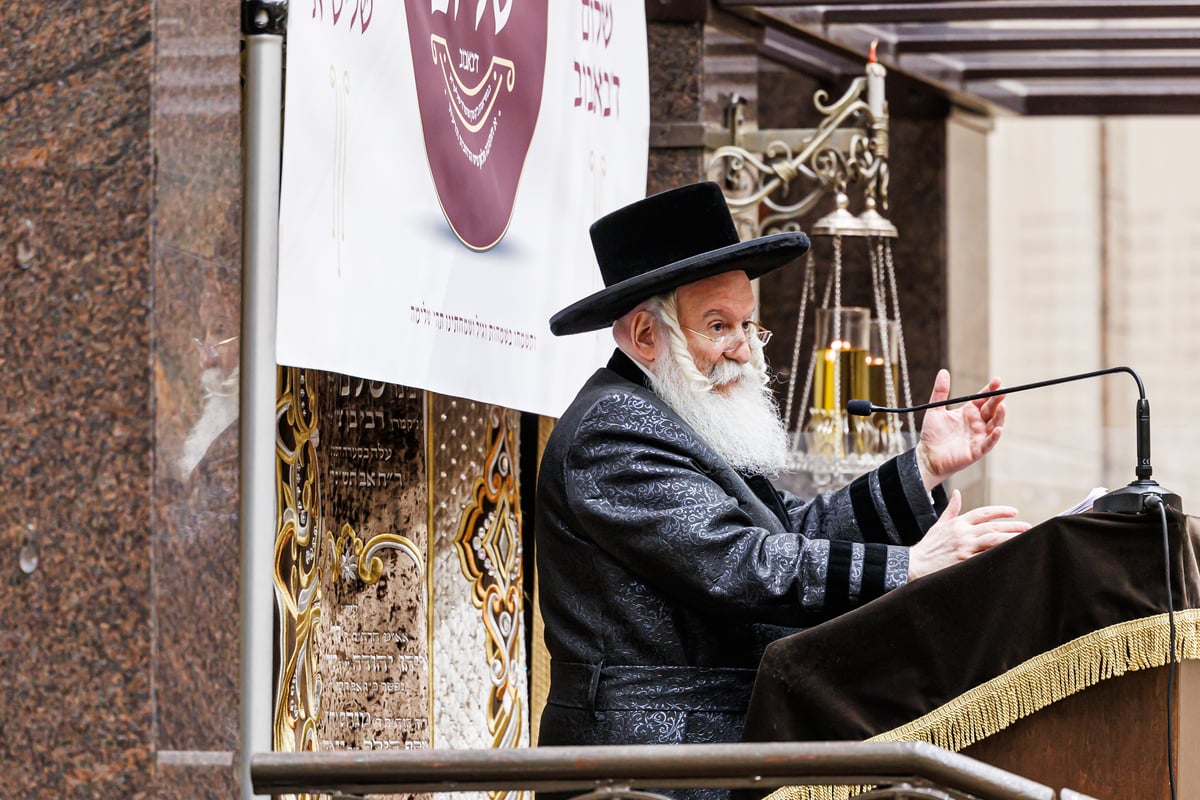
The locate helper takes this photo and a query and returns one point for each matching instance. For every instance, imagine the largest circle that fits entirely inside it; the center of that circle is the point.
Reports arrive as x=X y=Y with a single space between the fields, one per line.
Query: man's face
x=729 y=404
x=716 y=306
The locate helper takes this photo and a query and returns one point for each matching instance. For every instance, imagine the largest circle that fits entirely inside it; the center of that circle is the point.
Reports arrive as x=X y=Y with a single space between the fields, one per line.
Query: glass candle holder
x=883 y=362
x=840 y=373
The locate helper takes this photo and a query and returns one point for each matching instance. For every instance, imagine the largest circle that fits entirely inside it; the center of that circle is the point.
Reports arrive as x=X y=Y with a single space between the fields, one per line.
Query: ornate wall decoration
x=480 y=698
x=391 y=636
x=358 y=559
x=489 y=551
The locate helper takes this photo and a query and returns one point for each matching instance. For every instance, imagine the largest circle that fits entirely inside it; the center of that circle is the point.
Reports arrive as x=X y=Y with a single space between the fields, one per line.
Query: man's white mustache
x=725 y=372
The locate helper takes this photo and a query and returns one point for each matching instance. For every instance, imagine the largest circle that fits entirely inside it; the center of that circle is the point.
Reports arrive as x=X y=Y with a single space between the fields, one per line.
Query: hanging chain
x=889 y=434
x=812 y=361
x=837 y=337
x=891 y=275
x=875 y=250
x=810 y=266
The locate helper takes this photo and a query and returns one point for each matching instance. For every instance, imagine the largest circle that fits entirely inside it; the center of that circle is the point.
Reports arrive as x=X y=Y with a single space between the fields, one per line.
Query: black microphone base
x=1131 y=499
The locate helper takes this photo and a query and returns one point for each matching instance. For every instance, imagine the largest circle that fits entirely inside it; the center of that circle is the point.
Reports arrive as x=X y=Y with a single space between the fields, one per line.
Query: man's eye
x=717 y=328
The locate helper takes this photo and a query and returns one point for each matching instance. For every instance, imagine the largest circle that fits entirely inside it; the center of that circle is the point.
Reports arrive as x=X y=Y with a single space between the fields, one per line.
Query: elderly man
x=667 y=561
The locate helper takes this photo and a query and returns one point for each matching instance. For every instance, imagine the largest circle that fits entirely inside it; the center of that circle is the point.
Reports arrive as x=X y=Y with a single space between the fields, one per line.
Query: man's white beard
x=741 y=423
x=221 y=406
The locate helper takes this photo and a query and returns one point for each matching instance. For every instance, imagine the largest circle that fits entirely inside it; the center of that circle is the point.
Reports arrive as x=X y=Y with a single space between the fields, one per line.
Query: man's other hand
x=956 y=537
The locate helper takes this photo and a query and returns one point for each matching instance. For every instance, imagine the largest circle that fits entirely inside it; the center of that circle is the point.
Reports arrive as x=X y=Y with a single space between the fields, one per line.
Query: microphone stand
x=1141 y=495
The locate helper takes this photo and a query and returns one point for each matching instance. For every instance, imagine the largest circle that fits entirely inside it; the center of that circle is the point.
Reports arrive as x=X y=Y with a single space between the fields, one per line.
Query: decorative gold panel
x=480 y=696
x=389 y=637
x=351 y=565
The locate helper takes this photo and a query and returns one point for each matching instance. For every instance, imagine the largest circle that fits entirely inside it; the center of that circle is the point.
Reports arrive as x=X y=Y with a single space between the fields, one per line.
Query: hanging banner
x=442 y=162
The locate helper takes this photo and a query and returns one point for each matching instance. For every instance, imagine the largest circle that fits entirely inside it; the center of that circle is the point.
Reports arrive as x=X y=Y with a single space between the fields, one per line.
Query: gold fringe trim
x=1029 y=687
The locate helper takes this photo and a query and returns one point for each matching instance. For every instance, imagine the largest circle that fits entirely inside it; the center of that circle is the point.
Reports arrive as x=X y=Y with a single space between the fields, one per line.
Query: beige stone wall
x=1090 y=262
x=967 y=282
x=1154 y=294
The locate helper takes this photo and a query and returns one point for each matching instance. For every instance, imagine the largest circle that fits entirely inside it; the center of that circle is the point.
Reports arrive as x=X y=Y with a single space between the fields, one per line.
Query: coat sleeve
x=636 y=487
x=889 y=504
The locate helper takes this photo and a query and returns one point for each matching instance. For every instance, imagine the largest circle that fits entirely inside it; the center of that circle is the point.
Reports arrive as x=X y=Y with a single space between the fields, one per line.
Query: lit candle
x=875 y=75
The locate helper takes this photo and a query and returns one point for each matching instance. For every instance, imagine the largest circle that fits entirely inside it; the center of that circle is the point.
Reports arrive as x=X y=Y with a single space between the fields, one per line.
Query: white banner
x=442 y=162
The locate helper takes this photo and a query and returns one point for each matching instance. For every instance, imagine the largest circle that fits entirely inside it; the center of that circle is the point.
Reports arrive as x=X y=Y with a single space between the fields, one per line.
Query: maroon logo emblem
x=479 y=66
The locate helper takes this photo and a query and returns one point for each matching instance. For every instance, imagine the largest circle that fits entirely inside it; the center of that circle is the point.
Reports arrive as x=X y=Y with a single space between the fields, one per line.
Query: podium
x=1046 y=656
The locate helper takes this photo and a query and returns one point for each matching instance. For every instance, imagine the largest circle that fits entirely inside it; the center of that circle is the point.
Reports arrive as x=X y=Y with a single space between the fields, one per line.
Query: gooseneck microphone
x=1131 y=499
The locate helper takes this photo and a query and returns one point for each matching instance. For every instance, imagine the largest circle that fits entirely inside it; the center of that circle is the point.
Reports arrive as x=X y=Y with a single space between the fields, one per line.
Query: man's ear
x=643 y=334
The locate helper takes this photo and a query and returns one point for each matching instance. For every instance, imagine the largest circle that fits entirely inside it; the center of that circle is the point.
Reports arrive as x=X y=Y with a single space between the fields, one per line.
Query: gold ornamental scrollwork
x=296 y=565
x=489 y=548
x=358 y=559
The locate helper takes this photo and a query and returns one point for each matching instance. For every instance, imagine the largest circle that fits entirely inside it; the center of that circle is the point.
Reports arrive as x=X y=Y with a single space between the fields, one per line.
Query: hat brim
x=755 y=257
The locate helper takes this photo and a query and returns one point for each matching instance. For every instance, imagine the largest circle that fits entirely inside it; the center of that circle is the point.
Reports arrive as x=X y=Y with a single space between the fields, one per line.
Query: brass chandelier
x=857 y=351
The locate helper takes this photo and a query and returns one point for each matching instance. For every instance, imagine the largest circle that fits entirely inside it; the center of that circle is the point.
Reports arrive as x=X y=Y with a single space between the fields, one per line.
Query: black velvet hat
x=666 y=241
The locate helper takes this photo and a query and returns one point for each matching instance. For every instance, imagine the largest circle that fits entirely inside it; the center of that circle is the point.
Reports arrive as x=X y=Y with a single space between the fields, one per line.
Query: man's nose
x=740 y=353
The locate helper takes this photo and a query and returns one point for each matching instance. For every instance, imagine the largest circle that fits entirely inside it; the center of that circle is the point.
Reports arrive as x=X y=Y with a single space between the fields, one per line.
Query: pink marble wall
x=119 y=169
x=76 y=401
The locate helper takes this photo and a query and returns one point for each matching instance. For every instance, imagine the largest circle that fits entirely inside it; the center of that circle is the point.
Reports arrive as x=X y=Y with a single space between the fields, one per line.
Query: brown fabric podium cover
x=1072 y=601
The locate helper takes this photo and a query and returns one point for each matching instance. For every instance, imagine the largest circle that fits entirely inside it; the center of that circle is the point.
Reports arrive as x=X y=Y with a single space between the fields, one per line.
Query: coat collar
x=624 y=366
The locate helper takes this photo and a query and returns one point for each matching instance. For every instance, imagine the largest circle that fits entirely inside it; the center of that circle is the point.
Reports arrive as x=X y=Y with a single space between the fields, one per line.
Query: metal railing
x=909 y=769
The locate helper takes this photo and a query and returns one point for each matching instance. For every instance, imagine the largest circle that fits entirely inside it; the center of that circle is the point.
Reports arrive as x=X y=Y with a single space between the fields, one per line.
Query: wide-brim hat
x=666 y=241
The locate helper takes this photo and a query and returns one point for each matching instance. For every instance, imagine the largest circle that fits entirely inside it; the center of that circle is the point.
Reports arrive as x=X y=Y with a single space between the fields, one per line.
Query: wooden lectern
x=1046 y=656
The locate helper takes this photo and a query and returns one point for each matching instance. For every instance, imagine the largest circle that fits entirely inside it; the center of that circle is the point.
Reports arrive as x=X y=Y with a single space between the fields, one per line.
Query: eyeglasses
x=731 y=341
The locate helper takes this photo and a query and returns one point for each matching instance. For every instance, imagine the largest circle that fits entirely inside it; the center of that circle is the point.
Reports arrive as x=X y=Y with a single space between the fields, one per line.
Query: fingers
x=941 y=386
x=1001 y=532
x=990 y=406
x=997 y=527
x=997 y=413
x=992 y=439
x=1011 y=527
x=987 y=526
x=982 y=514
x=1006 y=527
x=953 y=506
x=956 y=537
x=987 y=541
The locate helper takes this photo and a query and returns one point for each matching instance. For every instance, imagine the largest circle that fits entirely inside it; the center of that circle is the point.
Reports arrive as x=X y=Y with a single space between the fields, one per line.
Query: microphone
x=1143 y=494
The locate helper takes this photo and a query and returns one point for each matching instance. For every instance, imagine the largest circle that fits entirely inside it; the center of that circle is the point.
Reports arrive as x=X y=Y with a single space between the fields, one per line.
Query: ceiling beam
x=1031 y=69
x=778 y=3
x=1111 y=98
x=928 y=39
x=1090 y=67
x=972 y=11
x=810 y=59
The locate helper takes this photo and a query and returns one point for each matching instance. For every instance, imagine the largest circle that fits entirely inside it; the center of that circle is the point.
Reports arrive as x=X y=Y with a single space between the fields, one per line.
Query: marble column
x=196 y=301
x=675 y=51
x=119 y=165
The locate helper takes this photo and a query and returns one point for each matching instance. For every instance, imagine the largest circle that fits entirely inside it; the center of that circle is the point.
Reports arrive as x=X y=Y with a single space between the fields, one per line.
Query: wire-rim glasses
x=731 y=341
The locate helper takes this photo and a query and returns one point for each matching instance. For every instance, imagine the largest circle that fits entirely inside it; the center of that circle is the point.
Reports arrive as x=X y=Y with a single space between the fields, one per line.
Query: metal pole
x=263 y=26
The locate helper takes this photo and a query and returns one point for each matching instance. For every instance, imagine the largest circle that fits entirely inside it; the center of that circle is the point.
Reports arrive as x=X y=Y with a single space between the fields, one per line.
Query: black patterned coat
x=663 y=572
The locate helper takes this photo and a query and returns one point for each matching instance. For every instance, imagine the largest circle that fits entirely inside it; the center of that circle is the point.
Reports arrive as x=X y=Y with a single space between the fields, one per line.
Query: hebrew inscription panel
x=351 y=565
